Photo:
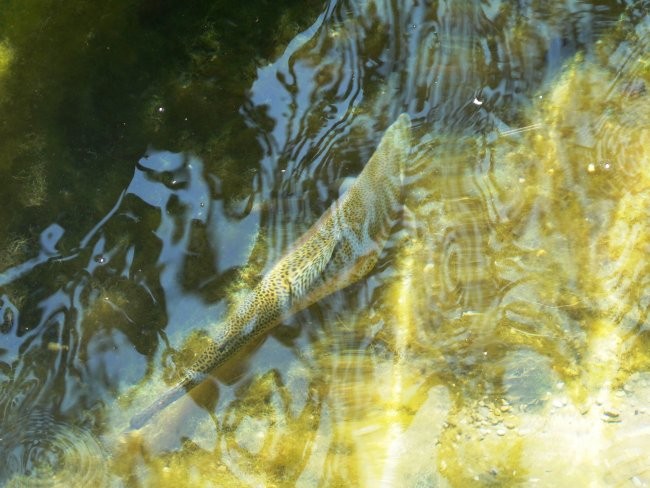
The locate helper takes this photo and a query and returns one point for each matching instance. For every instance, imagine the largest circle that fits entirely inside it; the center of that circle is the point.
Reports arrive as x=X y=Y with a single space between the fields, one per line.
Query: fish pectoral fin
x=347 y=266
x=309 y=272
x=339 y=271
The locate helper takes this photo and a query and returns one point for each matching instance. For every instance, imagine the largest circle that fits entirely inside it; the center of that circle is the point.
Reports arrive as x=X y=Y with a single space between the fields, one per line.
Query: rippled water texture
x=502 y=338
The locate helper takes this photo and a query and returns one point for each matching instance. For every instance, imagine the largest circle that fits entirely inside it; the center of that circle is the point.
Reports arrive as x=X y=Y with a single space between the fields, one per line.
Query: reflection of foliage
x=34 y=186
x=13 y=250
x=96 y=85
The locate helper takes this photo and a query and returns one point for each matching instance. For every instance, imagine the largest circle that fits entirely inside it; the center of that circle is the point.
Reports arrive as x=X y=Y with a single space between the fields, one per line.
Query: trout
x=339 y=249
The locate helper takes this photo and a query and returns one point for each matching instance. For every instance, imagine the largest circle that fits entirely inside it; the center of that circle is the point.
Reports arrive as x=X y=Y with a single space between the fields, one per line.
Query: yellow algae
x=563 y=302
x=498 y=344
x=470 y=460
x=503 y=342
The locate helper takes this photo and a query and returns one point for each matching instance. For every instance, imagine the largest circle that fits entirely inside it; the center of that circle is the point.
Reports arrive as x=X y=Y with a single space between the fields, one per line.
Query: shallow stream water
x=158 y=158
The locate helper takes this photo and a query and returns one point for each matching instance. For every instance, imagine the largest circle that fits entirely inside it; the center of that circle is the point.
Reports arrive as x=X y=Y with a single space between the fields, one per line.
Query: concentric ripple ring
x=38 y=451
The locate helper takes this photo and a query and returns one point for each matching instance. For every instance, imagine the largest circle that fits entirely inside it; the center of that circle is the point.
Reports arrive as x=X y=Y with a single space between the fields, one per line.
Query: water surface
x=158 y=158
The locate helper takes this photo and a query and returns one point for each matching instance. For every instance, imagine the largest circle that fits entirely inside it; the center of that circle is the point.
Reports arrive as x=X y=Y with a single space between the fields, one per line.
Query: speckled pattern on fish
x=339 y=249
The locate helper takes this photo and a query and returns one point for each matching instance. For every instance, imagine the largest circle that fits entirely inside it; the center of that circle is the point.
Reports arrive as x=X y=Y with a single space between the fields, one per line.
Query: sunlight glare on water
x=500 y=339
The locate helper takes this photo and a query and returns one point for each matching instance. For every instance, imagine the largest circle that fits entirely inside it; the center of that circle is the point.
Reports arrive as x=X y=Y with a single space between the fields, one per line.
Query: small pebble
x=501 y=432
x=636 y=481
x=610 y=420
x=611 y=412
x=56 y=347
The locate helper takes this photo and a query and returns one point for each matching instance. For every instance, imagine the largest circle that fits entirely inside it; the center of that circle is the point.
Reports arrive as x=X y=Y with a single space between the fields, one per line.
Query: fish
x=339 y=249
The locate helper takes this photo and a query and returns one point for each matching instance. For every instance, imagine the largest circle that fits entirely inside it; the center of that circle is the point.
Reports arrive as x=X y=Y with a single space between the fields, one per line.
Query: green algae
x=6 y=58
x=79 y=110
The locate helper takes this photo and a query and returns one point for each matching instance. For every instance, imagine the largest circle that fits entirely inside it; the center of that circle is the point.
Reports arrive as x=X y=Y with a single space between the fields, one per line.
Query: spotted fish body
x=339 y=249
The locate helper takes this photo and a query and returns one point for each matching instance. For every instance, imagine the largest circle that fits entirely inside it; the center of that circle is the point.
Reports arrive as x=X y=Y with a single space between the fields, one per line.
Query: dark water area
x=158 y=157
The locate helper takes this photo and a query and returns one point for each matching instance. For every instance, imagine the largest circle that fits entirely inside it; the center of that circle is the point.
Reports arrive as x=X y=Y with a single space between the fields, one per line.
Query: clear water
x=157 y=158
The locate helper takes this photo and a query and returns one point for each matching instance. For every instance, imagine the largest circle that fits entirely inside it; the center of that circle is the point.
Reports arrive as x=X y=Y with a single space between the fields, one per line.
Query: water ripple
x=41 y=451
